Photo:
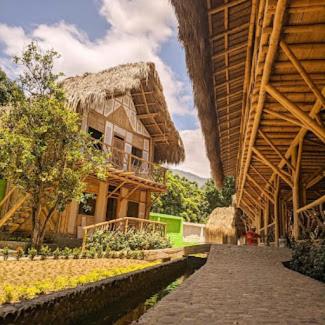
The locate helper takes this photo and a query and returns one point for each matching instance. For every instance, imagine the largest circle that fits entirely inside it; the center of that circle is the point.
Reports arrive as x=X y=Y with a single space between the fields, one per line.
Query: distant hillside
x=191 y=177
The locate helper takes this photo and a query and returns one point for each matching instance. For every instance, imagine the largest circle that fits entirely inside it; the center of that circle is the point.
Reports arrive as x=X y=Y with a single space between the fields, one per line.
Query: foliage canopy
x=42 y=149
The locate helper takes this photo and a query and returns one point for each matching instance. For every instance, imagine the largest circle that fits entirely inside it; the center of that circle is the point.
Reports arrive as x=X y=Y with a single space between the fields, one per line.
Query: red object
x=251 y=238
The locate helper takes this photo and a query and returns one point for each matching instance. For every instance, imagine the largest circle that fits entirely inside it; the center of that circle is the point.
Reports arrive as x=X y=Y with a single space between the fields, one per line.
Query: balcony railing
x=120 y=159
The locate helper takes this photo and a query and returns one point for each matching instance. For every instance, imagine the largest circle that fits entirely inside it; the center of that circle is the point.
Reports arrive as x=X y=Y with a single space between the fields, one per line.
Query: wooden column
x=258 y=225
x=276 y=211
x=101 y=203
x=296 y=160
x=122 y=207
x=266 y=218
x=71 y=213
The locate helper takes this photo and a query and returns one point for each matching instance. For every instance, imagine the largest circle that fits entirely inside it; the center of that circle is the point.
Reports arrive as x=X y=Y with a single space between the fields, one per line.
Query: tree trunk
x=36 y=228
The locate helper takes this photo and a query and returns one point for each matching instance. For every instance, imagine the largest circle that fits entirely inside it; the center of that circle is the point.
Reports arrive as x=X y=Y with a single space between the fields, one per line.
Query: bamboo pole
x=307 y=121
x=276 y=211
x=275 y=169
x=302 y=71
x=297 y=153
x=311 y=205
x=270 y=57
x=267 y=194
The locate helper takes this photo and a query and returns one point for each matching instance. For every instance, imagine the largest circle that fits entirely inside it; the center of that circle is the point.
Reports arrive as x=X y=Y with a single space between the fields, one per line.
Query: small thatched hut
x=224 y=226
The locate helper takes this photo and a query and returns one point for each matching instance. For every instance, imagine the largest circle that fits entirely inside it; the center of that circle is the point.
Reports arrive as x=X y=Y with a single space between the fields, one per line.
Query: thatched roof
x=91 y=90
x=192 y=18
x=221 y=222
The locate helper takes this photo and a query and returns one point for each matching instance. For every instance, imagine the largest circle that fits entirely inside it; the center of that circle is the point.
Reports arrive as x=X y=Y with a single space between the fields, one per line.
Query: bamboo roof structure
x=141 y=80
x=261 y=67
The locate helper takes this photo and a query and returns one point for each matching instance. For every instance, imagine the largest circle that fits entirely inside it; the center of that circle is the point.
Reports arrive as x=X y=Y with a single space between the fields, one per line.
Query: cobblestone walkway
x=242 y=285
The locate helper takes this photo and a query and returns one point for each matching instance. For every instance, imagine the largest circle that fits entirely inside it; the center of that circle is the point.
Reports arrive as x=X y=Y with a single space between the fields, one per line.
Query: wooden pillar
x=101 y=203
x=296 y=160
x=266 y=218
x=258 y=224
x=276 y=211
x=72 y=213
x=122 y=207
x=84 y=121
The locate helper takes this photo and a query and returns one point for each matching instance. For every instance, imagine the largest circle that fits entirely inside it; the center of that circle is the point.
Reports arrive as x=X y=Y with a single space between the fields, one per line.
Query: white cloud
x=138 y=29
x=196 y=160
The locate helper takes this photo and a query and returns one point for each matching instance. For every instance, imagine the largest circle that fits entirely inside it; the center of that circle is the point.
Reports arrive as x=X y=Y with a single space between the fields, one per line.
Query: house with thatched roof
x=258 y=74
x=125 y=107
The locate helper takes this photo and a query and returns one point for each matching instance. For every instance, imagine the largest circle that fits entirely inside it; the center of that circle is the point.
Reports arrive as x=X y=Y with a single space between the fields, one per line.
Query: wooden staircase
x=14 y=210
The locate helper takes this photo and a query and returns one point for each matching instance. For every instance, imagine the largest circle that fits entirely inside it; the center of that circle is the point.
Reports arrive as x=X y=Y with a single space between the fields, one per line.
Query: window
x=88 y=204
x=97 y=135
x=133 y=209
x=137 y=153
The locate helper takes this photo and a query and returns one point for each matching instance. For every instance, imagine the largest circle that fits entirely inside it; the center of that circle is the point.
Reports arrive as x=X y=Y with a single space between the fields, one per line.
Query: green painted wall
x=2 y=188
x=174 y=227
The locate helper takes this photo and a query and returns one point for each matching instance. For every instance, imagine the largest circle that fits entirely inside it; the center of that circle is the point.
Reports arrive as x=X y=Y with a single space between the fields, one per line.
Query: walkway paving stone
x=242 y=285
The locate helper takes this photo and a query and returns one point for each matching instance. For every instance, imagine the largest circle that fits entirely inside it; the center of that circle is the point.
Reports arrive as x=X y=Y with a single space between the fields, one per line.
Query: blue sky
x=92 y=35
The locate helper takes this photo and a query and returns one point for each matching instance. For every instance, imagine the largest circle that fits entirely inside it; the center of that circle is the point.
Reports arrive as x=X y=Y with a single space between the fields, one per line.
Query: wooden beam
x=116 y=189
x=307 y=121
x=225 y=6
x=261 y=176
x=275 y=149
x=276 y=211
x=282 y=174
x=267 y=194
x=284 y=117
x=229 y=32
x=230 y=50
x=285 y=48
x=311 y=205
x=147 y=115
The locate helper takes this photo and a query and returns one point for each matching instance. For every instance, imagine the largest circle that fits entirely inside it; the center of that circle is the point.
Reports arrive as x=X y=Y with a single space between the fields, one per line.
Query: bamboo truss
x=269 y=97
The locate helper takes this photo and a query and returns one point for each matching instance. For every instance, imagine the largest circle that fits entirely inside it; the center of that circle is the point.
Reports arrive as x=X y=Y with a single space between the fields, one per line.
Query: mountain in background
x=191 y=177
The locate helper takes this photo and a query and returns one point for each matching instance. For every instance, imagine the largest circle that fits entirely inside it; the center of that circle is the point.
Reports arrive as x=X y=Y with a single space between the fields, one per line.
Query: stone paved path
x=242 y=285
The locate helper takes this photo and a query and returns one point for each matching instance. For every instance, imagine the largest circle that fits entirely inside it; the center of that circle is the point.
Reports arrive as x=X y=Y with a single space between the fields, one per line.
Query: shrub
x=76 y=253
x=44 y=252
x=309 y=258
x=32 y=252
x=66 y=252
x=132 y=240
x=5 y=253
x=19 y=253
x=56 y=253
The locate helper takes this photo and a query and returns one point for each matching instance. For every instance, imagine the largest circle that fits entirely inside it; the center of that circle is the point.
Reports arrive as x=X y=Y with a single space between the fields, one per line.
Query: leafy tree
x=8 y=90
x=42 y=150
x=218 y=198
x=185 y=199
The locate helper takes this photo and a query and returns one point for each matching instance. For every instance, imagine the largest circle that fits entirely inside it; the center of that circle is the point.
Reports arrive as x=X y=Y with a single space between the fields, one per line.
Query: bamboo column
x=276 y=211
x=266 y=218
x=296 y=160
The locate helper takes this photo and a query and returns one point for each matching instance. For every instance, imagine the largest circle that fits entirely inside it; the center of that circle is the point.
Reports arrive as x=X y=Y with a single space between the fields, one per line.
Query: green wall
x=2 y=189
x=174 y=227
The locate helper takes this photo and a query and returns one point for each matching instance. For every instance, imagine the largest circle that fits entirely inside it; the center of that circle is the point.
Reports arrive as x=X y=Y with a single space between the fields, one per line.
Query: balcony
x=121 y=160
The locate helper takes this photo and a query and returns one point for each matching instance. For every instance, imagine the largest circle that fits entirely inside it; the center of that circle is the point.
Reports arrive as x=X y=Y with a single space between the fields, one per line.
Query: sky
x=93 y=35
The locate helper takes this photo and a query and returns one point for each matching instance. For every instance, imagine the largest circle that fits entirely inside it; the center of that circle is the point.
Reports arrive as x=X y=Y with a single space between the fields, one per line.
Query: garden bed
x=113 y=296
x=26 y=279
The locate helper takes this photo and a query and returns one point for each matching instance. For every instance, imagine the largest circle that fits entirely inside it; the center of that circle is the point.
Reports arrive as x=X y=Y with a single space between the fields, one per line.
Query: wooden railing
x=123 y=225
x=140 y=167
x=11 y=203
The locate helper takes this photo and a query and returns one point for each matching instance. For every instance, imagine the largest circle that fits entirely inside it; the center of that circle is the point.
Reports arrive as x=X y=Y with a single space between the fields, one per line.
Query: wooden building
x=125 y=107
x=258 y=72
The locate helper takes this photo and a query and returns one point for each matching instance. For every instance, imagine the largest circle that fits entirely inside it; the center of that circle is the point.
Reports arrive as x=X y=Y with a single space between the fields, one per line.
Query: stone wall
x=79 y=305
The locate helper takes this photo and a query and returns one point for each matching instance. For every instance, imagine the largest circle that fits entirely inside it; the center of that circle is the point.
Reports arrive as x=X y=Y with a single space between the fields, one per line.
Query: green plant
x=5 y=253
x=56 y=253
x=44 y=252
x=91 y=253
x=43 y=151
x=32 y=252
x=19 y=253
x=76 y=253
x=66 y=252
x=308 y=257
